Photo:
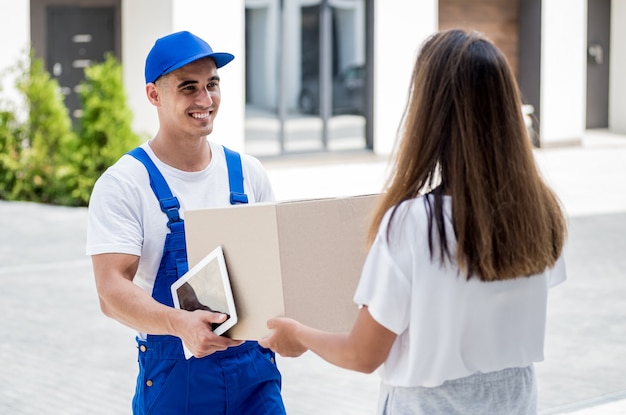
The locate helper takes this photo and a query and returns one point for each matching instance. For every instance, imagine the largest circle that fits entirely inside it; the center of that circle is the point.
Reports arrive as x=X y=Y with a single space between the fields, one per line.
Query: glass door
x=306 y=88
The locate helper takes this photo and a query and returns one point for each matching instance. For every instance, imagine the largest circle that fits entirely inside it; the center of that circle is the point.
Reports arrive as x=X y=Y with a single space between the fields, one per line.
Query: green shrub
x=10 y=154
x=105 y=131
x=35 y=152
x=42 y=158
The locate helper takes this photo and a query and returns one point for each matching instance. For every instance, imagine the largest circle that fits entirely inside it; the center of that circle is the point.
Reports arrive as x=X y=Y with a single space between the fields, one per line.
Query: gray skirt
x=506 y=392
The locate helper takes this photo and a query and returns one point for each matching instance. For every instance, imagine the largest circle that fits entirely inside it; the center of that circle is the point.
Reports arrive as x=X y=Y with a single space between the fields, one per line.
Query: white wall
x=138 y=36
x=15 y=32
x=400 y=28
x=219 y=22
x=563 y=71
x=617 y=80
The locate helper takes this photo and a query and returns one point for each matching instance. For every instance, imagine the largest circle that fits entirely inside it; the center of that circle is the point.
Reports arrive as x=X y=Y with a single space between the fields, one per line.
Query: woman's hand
x=285 y=337
x=363 y=349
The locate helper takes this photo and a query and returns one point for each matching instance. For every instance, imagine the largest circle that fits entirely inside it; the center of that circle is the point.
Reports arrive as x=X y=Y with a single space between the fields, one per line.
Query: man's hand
x=126 y=302
x=194 y=328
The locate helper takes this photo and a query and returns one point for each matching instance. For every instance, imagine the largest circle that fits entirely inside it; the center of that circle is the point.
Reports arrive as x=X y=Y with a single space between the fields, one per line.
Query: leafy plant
x=35 y=151
x=105 y=131
x=10 y=154
x=43 y=158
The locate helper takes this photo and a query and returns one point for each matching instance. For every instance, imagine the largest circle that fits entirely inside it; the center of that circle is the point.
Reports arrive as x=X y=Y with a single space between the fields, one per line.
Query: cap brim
x=220 y=59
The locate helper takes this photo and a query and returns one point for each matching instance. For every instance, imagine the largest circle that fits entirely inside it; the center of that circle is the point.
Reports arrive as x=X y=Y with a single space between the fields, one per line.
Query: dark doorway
x=76 y=38
x=529 y=59
x=598 y=47
x=70 y=34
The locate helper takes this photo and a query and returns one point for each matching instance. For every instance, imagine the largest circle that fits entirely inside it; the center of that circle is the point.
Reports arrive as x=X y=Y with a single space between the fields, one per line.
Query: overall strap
x=235 y=177
x=168 y=202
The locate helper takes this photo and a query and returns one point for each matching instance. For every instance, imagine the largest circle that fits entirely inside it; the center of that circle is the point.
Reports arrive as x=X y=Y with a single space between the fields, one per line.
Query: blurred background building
x=332 y=75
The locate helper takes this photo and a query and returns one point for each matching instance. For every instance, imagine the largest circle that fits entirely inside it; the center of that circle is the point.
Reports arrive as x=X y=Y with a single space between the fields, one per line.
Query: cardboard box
x=300 y=259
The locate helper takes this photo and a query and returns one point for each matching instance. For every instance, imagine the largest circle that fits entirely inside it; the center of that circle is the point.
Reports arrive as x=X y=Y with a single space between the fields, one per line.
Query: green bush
x=35 y=151
x=43 y=159
x=10 y=154
x=105 y=126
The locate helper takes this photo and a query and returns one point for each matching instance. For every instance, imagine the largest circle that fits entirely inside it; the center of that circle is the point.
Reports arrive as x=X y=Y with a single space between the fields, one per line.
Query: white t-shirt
x=125 y=216
x=447 y=327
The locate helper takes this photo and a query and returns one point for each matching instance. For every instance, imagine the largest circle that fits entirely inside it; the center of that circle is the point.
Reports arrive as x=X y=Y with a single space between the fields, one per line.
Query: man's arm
x=124 y=301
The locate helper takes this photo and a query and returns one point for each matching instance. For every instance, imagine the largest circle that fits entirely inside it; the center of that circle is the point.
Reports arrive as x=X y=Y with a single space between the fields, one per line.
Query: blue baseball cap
x=177 y=50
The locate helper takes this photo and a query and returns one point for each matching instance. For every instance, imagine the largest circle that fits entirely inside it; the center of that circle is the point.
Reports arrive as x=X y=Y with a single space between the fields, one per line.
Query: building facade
x=333 y=75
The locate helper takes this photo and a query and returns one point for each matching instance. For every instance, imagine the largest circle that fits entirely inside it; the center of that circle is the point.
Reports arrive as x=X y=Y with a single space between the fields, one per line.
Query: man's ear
x=152 y=93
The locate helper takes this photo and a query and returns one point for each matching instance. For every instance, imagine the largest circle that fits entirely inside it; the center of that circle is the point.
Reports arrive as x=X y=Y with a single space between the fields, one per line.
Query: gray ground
x=60 y=355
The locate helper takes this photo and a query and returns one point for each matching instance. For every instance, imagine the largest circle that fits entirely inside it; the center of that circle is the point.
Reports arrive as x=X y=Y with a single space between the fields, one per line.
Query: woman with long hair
x=464 y=245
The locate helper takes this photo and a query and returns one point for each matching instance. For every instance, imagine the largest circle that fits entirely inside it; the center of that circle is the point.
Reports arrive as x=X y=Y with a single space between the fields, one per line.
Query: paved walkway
x=60 y=355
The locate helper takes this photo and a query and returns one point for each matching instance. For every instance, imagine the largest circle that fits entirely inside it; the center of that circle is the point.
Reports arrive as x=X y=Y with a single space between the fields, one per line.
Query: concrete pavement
x=60 y=355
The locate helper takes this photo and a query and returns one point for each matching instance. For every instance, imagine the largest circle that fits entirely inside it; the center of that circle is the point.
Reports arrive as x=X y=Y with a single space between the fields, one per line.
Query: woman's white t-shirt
x=447 y=327
x=125 y=216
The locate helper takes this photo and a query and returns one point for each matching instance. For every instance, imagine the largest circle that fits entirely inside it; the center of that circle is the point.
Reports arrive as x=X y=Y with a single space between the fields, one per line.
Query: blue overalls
x=240 y=380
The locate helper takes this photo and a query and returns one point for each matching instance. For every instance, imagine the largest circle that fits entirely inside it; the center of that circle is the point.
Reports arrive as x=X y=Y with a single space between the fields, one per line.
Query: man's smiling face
x=190 y=98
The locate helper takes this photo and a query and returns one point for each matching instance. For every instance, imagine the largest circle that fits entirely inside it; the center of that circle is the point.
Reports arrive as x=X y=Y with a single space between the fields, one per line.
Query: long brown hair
x=463 y=134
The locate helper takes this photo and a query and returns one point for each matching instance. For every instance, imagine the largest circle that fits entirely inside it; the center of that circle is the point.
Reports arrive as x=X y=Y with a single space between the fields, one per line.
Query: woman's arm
x=362 y=349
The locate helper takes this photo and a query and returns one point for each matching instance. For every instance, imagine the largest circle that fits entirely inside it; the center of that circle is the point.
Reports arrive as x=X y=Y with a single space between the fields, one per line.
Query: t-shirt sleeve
x=384 y=288
x=557 y=274
x=113 y=226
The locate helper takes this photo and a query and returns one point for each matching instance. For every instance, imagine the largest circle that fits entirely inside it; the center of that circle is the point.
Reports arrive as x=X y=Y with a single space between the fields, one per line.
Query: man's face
x=188 y=98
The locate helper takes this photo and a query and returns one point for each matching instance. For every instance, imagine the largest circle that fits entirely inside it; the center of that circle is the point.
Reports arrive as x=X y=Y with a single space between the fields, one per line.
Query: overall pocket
x=161 y=386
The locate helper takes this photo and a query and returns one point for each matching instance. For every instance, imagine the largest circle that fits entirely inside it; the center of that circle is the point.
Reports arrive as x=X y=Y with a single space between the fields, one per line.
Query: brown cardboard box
x=300 y=259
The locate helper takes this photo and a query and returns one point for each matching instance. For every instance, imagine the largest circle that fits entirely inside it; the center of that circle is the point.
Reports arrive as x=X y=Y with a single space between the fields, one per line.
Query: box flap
x=323 y=248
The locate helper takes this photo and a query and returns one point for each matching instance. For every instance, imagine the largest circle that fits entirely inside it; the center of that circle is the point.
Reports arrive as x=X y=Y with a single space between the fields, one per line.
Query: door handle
x=595 y=52
x=57 y=69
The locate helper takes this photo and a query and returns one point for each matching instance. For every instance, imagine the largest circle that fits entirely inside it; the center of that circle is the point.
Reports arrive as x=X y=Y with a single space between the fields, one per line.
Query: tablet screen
x=207 y=287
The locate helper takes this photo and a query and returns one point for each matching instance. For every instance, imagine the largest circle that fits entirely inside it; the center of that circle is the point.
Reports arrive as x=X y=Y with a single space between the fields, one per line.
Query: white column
x=138 y=36
x=400 y=28
x=617 y=80
x=563 y=71
x=15 y=32
x=221 y=24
